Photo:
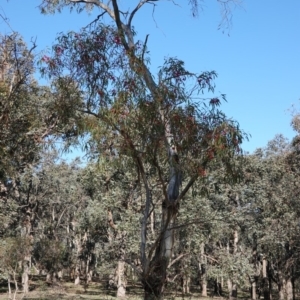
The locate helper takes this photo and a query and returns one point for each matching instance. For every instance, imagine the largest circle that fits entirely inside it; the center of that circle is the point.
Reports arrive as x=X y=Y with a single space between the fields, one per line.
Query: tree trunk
x=121 y=282
x=155 y=274
x=120 y=273
x=232 y=286
x=218 y=288
x=289 y=289
x=266 y=287
x=186 y=283
x=293 y=286
x=281 y=286
x=229 y=287
x=186 y=275
x=77 y=278
x=202 y=269
x=25 y=277
x=154 y=282
x=270 y=287
x=77 y=274
x=8 y=285
x=253 y=290
x=234 y=291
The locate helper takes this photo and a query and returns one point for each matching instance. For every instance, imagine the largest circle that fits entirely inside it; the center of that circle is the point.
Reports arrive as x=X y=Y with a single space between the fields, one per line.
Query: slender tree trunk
x=270 y=288
x=218 y=288
x=121 y=285
x=120 y=274
x=281 y=286
x=77 y=277
x=202 y=269
x=16 y=286
x=289 y=289
x=9 y=287
x=186 y=275
x=293 y=286
x=253 y=289
x=229 y=288
x=25 y=278
x=186 y=283
x=232 y=289
x=266 y=287
x=232 y=286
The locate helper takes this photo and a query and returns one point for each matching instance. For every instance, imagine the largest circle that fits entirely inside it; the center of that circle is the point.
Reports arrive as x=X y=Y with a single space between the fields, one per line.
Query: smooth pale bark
x=121 y=286
x=25 y=278
x=120 y=278
x=186 y=283
x=289 y=289
x=82 y=266
x=77 y=278
x=26 y=234
x=8 y=285
x=253 y=290
x=230 y=289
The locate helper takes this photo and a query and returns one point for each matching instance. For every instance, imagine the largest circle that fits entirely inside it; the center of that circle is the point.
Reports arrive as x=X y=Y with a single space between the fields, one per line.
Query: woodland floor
x=39 y=289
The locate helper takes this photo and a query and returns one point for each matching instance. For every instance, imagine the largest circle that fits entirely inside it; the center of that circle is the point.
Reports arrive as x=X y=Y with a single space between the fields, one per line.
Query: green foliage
x=12 y=252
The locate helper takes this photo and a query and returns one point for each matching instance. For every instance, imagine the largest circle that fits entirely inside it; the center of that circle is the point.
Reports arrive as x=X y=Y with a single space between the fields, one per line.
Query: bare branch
x=97 y=3
x=61 y=215
x=187 y=187
x=110 y=220
x=177 y=259
x=141 y=3
x=5 y=19
x=96 y=20
x=144 y=46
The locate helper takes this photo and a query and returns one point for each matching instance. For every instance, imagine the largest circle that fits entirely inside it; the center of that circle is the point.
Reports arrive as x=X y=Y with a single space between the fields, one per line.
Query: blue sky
x=257 y=60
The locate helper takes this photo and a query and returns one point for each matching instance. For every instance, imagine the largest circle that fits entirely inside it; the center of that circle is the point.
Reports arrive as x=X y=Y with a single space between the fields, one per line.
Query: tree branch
x=141 y=3
x=119 y=24
x=187 y=187
x=97 y=3
x=177 y=259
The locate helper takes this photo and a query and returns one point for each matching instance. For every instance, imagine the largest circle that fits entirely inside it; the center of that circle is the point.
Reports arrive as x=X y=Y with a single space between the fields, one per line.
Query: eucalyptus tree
x=25 y=125
x=154 y=121
x=25 y=122
x=271 y=177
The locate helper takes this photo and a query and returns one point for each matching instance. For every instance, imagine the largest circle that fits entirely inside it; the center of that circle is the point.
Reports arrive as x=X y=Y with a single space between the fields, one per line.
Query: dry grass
x=94 y=291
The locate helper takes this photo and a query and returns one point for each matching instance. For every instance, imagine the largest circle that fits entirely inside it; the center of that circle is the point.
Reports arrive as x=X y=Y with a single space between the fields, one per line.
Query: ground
x=39 y=289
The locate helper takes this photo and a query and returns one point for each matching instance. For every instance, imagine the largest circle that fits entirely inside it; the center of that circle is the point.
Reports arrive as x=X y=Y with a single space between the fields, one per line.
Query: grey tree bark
x=202 y=270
